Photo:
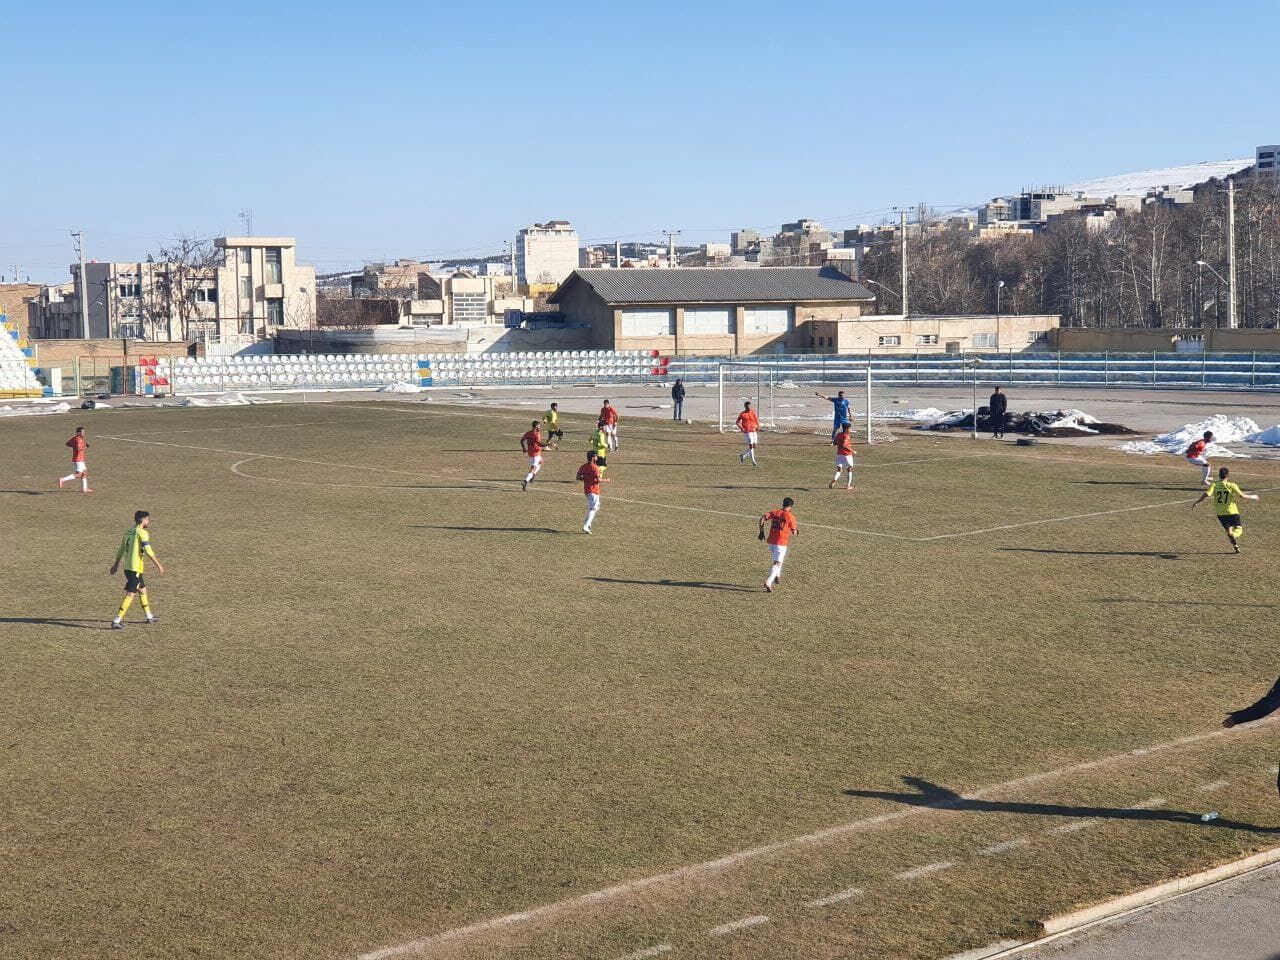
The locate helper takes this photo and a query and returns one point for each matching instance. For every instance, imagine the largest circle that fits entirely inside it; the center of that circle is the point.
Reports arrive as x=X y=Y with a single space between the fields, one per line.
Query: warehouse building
x=709 y=311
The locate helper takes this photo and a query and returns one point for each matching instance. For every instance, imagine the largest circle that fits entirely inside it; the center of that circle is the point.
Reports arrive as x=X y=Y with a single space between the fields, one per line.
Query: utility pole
x=671 y=247
x=617 y=254
x=902 y=221
x=1231 y=254
x=246 y=217
x=84 y=286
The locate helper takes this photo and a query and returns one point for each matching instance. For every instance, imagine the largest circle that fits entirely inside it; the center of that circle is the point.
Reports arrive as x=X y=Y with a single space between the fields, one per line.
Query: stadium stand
x=17 y=368
x=184 y=375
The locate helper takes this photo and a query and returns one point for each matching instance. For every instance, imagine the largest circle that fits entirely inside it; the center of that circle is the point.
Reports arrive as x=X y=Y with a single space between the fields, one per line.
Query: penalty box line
x=750 y=854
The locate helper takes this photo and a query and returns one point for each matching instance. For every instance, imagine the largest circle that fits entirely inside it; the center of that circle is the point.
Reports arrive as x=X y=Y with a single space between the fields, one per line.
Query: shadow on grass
x=1108 y=553
x=59 y=622
x=691 y=584
x=745 y=486
x=428 y=526
x=929 y=794
x=29 y=493
x=1136 y=483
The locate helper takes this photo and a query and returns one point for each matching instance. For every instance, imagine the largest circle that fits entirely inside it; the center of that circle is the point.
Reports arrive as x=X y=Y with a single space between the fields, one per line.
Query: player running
x=1196 y=454
x=552 y=419
x=590 y=474
x=839 y=411
x=1226 y=501
x=133 y=548
x=531 y=444
x=78 y=445
x=781 y=524
x=749 y=423
x=599 y=445
x=609 y=416
x=843 y=443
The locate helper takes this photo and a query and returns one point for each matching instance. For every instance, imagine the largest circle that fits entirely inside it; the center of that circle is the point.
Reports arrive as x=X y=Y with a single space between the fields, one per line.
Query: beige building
x=708 y=310
x=247 y=288
x=546 y=253
x=893 y=333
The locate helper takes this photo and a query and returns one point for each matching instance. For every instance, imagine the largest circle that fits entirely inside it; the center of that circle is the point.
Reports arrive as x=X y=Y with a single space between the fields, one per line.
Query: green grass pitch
x=392 y=697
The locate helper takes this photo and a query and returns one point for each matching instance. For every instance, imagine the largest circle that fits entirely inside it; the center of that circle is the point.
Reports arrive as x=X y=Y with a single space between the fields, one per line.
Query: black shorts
x=600 y=462
x=133 y=581
x=1229 y=520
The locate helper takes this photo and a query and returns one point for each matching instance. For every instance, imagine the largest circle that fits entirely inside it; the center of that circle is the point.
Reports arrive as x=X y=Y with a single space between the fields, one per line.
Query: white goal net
x=783 y=397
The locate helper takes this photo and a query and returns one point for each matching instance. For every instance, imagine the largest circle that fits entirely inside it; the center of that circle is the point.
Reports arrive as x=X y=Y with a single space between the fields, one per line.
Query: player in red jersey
x=531 y=444
x=609 y=414
x=781 y=525
x=1196 y=454
x=78 y=445
x=748 y=423
x=843 y=443
x=589 y=474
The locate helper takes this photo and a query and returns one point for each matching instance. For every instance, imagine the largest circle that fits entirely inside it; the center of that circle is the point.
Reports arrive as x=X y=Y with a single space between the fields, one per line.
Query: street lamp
x=885 y=289
x=999 y=290
x=1221 y=279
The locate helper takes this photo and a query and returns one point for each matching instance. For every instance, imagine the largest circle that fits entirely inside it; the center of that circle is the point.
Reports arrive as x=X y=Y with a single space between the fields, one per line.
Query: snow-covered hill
x=1137 y=184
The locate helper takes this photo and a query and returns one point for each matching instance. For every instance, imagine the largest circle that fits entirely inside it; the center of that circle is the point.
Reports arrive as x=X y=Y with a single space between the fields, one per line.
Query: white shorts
x=593 y=501
x=778 y=553
x=1198 y=461
x=844 y=460
x=611 y=428
x=79 y=467
x=753 y=438
x=535 y=462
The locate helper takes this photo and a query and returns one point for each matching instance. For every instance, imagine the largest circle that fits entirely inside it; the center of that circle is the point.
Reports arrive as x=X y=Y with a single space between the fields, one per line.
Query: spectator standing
x=998 y=404
x=677 y=397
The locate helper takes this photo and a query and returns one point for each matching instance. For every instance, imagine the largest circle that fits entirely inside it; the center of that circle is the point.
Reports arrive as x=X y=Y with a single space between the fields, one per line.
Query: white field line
x=654 y=951
x=816 y=838
x=1004 y=847
x=915 y=873
x=498 y=484
x=1211 y=787
x=839 y=897
x=1074 y=827
x=744 y=924
x=989 y=453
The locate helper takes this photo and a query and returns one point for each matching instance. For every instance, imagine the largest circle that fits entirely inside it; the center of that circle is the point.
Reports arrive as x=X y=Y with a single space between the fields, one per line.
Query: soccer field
x=397 y=707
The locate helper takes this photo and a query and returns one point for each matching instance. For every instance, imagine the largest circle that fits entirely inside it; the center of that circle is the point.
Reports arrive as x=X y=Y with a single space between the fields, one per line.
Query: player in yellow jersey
x=554 y=434
x=599 y=444
x=135 y=546
x=1226 y=501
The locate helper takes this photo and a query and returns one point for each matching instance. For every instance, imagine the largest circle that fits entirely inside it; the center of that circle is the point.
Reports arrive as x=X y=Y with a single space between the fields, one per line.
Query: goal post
x=769 y=385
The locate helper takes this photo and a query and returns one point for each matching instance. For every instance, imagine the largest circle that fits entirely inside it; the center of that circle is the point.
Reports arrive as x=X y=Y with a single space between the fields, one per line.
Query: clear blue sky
x=429 y=129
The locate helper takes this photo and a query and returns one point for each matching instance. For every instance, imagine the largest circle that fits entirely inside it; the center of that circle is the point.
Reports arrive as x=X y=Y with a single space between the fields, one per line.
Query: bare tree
x=180 y=269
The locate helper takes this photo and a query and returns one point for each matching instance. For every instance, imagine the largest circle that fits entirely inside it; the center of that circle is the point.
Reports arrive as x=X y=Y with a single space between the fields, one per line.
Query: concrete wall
x=1018 y=332
x=1164 y=340
x=63 y=353
x=446 y=339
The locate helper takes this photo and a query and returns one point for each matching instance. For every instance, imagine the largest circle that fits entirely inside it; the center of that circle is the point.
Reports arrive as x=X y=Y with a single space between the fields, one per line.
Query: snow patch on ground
x=1137 y=184
x=232 y=399
x=402 y=386
x=1076 y=420
x=924 y=414
x=1270 y=436
x=34 y=411
x=1225 y=430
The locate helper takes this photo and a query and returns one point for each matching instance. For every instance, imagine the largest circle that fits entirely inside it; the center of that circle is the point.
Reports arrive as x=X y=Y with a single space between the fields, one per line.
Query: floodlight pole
x=869 y=440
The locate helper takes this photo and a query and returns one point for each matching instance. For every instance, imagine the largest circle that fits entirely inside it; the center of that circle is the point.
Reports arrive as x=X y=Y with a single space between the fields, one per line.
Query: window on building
x=704 y=321
x=927 y=340
x=1267 y=155
x=207 y=295
x=767 y=320
x=984 y=340
x=648 y=323
x=246 y=324
x=130 y=290
x=1038 y=336
x=246 y=291
x=470 y=307
x=131 y=330
x=890 y=341
x=275 y=312
x=274 y=269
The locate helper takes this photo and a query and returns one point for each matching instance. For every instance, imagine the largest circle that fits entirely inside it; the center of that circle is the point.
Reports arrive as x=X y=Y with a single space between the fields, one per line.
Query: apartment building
x=1267 y=160
x=546 y=253
x=246 y=287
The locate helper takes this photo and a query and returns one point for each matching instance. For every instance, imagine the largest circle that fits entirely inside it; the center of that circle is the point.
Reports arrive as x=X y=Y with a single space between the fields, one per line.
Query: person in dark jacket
x=1267 y=705
x=998 y=404
x=677 y=395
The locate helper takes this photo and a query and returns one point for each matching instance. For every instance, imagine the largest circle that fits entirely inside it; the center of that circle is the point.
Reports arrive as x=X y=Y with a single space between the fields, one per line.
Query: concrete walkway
x=1237 y=919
